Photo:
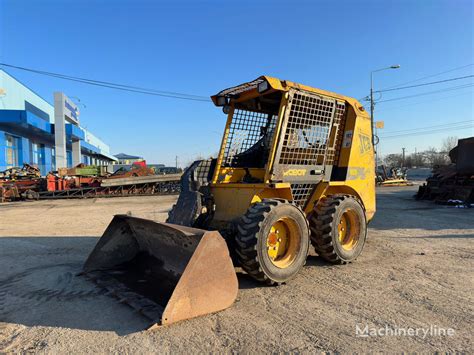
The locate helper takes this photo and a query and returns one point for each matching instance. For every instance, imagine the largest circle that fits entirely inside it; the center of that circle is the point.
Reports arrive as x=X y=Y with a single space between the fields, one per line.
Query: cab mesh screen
x=249 y=137
x=307 y=132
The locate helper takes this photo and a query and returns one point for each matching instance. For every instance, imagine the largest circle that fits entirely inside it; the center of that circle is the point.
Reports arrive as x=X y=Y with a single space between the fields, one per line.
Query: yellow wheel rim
x=283 y=242
x=349 y=230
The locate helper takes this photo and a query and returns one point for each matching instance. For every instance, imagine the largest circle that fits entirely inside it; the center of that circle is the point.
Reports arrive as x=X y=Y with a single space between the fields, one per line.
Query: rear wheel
x=272 y=240
x=338 y=229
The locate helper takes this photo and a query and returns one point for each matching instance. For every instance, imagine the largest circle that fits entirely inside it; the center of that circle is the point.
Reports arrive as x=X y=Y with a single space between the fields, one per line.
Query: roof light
x=263 y=86
x=222 y=101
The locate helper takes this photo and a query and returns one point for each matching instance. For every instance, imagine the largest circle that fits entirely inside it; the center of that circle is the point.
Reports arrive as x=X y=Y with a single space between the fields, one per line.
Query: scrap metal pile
x=19 y=183
x=84 y=181
x=453 y=184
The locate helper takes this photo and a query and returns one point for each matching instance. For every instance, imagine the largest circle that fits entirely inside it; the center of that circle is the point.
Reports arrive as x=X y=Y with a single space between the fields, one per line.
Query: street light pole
x=372 y=106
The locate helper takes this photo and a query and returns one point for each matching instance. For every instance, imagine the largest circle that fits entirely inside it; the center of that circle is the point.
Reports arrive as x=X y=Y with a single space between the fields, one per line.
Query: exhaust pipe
x=166 y=272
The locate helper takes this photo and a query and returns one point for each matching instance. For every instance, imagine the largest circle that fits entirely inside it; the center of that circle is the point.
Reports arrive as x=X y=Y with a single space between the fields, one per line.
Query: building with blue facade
x=49 y=136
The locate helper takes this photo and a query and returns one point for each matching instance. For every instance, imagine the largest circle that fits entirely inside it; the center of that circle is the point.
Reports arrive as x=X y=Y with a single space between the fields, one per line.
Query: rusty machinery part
x=464 y=154
x=454 y=183
x=26 y=172
x=137 y=189
x=272 y=241
x=166 y=272
x=134 y=171
x=15 y=190
x=338 y=229
x=9 y=193
x=447 y=184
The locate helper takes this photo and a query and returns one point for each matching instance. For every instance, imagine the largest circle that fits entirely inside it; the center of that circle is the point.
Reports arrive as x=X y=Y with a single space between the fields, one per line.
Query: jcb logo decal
x=365 y=144
x=295 y=172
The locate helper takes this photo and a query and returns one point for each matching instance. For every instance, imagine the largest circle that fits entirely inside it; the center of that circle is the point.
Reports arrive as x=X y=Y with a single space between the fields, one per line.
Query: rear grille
x=301 y=193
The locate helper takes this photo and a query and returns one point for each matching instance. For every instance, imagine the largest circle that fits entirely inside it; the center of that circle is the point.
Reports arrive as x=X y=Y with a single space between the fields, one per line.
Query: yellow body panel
x=235 y=175
x=233 y=200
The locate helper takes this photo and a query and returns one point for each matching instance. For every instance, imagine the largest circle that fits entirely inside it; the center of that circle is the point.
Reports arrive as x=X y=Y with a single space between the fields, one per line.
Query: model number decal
x=295 y=172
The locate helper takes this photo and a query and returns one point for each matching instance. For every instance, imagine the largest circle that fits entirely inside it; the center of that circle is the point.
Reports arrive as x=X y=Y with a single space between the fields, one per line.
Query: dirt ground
x=416 y=272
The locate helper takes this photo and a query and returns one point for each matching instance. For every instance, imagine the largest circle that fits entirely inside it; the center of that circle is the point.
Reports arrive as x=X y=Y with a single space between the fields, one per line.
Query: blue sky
x=200 y=47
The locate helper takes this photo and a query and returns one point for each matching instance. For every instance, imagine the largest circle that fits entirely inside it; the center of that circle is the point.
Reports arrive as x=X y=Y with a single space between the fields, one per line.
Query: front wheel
x=272 y=240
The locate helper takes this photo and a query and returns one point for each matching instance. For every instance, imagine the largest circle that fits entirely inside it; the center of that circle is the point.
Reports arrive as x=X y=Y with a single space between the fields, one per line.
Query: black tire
x=325 y=235
x=253 y=231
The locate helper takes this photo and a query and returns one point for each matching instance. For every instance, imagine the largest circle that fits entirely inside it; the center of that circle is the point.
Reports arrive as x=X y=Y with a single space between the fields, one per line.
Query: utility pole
x=372 y=122
x=176 y=162
x=403 y=157
x=372 y=106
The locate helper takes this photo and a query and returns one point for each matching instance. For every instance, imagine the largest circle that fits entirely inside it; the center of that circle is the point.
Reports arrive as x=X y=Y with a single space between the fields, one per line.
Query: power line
x=110 y=85
x=63 y=76
x=430 y=83
x=430 y=76
x=428 y=127
x=439 y=130
x=434 y=126
x=429 y=92
x=416 y=134
x=422 y=102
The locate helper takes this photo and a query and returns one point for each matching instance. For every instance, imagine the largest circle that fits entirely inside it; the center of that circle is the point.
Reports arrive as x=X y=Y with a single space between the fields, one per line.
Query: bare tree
x=408 y=161
x=449 y=143
x=393 y=160
x=433 y=157
x=417 y=160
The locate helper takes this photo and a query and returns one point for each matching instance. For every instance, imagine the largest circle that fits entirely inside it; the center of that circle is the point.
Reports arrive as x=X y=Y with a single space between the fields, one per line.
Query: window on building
x=69 y=158
x=53 y=159
x=11 y=151
x=36 y=153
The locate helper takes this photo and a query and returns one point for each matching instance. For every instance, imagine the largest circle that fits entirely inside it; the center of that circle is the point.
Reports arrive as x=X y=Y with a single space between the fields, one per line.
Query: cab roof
x=275 y=85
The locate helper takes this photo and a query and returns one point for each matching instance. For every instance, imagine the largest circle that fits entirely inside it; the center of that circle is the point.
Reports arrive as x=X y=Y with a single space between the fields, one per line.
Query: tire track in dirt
x=42 y=284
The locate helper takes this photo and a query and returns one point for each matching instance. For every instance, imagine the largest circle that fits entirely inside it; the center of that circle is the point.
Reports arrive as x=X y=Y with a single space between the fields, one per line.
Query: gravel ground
x=416 y=272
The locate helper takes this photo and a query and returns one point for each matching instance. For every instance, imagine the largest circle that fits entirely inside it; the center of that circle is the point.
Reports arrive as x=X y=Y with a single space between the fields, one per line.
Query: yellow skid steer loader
x=295 y=167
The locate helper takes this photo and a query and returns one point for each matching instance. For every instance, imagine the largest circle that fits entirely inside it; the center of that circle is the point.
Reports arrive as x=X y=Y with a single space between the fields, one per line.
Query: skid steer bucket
x=167 y=272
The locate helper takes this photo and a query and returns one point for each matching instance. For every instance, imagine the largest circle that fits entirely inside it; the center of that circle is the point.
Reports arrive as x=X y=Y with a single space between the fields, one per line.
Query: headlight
x=221 y=100
x=263 y=86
